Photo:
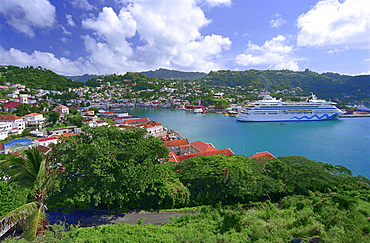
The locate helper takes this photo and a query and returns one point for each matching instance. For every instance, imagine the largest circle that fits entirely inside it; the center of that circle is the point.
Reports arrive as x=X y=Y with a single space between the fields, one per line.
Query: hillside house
x=34 y=120
x=62 y=109
x=17 y=123
x=200 y=146
x=178 y=146
x=16 y=145
x=62 y=130
x=10 y=106
x=181 y=158
x=46 y=141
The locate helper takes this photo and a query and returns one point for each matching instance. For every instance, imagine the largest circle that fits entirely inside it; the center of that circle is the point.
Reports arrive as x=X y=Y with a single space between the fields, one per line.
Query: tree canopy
x=110 y=168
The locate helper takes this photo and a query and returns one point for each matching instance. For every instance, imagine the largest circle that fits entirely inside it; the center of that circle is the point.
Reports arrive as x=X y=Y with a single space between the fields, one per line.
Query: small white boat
x=198 y=110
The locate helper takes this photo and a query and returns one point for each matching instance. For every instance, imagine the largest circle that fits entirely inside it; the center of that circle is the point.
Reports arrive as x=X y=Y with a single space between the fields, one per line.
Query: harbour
x=339 y=142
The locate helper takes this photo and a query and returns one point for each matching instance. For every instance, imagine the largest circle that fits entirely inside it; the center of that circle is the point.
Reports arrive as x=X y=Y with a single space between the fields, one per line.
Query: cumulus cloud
x=277 y=21
x=169 y=37
x=333 y=22
x=47 y=60
x=25 y=16
x=276 y=53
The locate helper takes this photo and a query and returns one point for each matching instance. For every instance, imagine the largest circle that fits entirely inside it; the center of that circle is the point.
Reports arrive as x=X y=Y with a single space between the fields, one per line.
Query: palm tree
x=29 y=170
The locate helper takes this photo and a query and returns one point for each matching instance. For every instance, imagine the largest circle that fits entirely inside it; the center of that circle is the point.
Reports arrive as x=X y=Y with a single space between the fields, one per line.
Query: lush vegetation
x=243 y=200
x=173 y=74
x=326 y=85
x=315 y=216
x=31 y=171
x=108 y=168
x=36 y=78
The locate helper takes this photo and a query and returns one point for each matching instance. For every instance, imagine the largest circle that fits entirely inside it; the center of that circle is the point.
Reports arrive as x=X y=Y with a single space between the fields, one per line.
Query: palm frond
x=34 y=224
x=8 y=220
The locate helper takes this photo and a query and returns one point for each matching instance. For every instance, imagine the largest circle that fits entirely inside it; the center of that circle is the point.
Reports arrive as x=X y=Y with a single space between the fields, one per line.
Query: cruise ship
x=271 y=109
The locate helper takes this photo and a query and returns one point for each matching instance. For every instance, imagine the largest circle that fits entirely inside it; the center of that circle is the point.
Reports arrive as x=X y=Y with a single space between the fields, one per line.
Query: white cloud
x=82 y=4
x=65 y=31
x=333 y=22
x=25 y=16
x=277 y=21
x=143 y=35
x=275 y=53
x=70 y=20
x=169 y=37
x=214 y=3
x=335 y=50
x=47 y=60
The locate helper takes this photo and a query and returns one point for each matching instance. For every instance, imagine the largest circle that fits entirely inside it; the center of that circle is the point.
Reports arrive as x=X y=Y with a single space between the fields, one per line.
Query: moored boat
x=271 y=109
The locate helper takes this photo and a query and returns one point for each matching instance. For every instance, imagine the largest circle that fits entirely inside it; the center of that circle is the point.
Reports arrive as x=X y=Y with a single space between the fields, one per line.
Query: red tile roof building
x=262 y=156
x=227 y=151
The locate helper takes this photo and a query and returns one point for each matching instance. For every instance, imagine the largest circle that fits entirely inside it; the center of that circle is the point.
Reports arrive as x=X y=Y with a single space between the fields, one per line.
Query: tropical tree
x=109 y=168
x=28 y=170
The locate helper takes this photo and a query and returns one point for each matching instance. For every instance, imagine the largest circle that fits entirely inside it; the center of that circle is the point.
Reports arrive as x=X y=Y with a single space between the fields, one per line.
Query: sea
x=345 y=141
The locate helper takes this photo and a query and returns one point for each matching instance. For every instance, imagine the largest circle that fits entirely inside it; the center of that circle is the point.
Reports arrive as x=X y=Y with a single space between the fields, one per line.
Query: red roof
x=46 y=139
x=135 y=120
x=11 y=104
x=44 y=149
x=209 y=153
x=9 y=117
x=33 y=114
x=202 y=146
x=262 y=155
x=176 y=142
x=68 y=134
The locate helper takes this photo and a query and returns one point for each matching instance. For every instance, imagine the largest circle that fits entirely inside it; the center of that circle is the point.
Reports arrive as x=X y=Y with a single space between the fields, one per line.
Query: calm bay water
x=344 y=141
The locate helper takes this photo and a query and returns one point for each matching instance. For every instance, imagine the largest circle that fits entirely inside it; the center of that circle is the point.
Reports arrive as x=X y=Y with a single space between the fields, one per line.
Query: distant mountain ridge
x=82 y=78
x=174 y=74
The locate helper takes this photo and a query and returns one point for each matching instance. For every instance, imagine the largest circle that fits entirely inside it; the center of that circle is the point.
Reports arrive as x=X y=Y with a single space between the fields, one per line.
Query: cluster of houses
x=179 y=147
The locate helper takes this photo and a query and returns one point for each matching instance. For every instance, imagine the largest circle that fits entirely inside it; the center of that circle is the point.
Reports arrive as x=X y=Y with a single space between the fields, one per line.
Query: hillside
x=36 y=78
x=326 y=85
x=173 y=74
x=82 y=78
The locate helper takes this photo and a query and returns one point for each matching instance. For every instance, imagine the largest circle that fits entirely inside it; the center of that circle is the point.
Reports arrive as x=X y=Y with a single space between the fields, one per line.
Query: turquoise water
x=344 y=141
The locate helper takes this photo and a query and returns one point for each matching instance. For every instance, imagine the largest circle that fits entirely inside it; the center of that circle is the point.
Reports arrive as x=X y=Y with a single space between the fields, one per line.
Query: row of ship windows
x=288 y=112
x=292 y=107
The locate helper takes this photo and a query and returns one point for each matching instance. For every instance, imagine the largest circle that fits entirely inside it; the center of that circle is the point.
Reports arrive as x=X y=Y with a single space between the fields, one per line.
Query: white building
x=17 y=123
x=34 y=120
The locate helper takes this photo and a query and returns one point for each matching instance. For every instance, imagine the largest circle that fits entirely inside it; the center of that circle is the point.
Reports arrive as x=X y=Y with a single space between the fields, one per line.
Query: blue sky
x=74 y=37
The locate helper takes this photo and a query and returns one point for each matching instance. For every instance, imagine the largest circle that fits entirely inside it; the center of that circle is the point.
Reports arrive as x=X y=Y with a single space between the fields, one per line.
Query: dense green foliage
x=82 y=78
x=315 y=216
x=252 y=200
x=236 y=179
x=37 y=78
x=119 y=169
x=173 y=74
x=326 y=85
x=11 y=197
x=136 y=81
x=30 y=170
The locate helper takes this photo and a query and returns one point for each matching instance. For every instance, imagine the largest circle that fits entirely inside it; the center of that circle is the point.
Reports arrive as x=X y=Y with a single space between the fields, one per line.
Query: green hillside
x=326 y=85
x=36 y=77
x=173 y=74
x=82 y=78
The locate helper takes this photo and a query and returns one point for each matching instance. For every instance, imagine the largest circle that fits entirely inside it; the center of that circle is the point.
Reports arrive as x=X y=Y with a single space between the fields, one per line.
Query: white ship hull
x=286 y=118
x=272 y=110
